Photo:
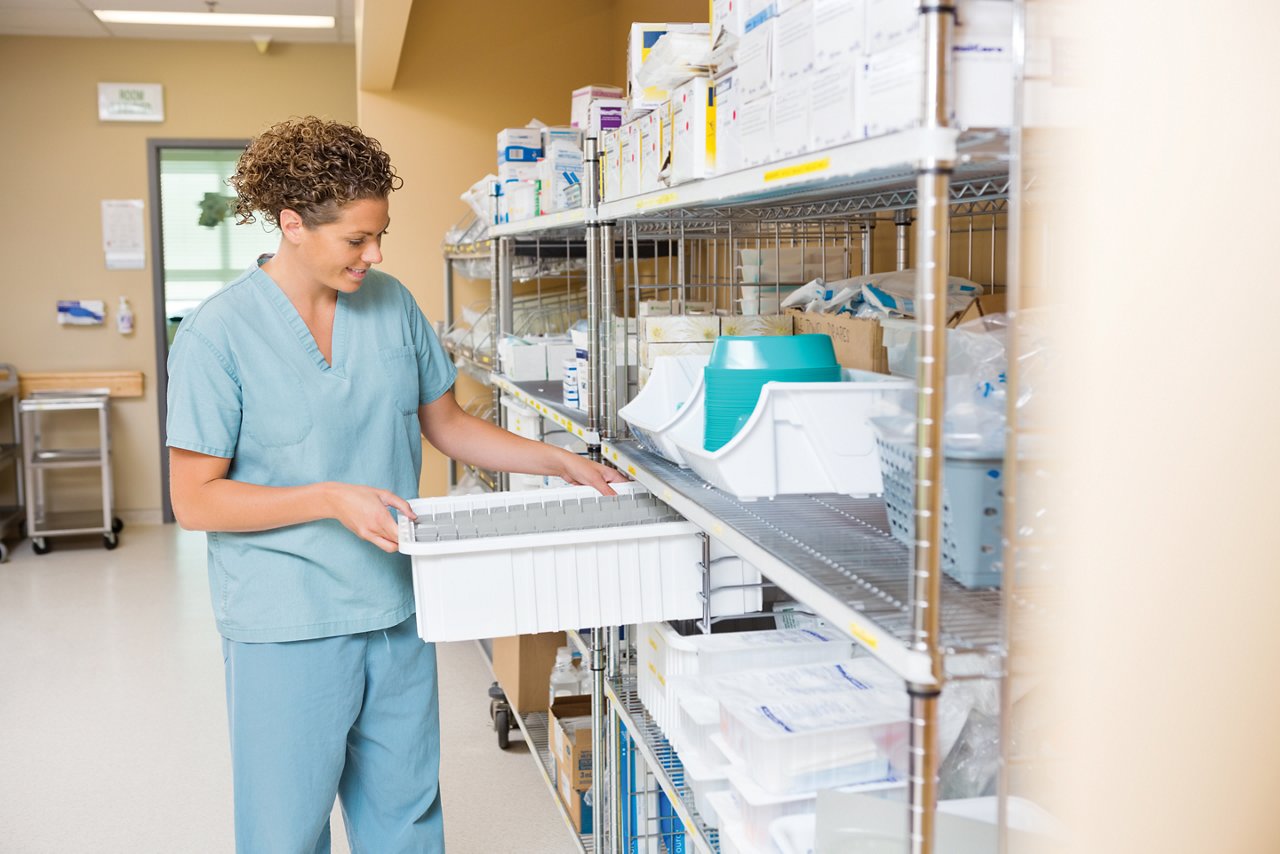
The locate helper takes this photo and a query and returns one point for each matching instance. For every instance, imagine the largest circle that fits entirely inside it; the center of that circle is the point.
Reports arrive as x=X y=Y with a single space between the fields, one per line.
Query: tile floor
x=113 y=724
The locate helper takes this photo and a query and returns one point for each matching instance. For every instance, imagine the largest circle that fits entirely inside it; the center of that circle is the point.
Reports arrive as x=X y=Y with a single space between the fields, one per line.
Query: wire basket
x=972 y=510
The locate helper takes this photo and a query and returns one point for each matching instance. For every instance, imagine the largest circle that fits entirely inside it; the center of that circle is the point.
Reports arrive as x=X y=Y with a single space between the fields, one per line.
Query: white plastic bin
x=802 y=438
x=651 y=413
x=705 y=779
x=663 y=653
x=522 y=563
x=522 y=420
x=733 y=835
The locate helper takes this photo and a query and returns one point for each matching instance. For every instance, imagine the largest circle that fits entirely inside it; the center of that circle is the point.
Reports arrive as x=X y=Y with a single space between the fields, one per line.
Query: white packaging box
x=582 y=99
x=756 y=129
x=522 y=362
x=839 y=31
x=693 y=122
x=519 y=145
x=605 y=114
x=650 y=151
x=894 y=89
x=688 y=327
x=655 y=349
x=893 y=22
x=666 y=142
x=522 y=200
x=561 y=173
x=567 y=135
x=791 y=118
x=555 y=581
x=982 y=62
x=755 y=62
x=760 y=324
x=755 y=11
x=835 y=106
x=643 y=37
x=522 y=420
x=519 y=171
x=793 y=44
x=726 y=17
x=728 y=131
x=629 y=158
x=611 y=164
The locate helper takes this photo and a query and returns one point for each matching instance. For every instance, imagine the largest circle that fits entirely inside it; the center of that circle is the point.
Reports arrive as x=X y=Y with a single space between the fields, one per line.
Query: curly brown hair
x=311 y=166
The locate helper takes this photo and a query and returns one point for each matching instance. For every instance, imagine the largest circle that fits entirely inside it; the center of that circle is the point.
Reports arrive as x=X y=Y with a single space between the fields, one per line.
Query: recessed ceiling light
x=215 y=19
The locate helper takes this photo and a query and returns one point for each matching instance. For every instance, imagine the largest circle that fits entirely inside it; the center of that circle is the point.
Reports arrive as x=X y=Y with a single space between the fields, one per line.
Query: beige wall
x=60 y=161
x=462 y=79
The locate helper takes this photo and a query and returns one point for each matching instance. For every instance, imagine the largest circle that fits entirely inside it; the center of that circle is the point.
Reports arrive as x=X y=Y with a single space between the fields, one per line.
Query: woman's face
x=340 y=253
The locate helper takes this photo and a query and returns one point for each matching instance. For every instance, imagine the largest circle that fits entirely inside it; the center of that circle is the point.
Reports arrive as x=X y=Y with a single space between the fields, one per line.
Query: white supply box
x=520 y=563
x=611 y=164
x=728 y=131
x=582 y=99
x=756 y=127
x=791 y=110
x=519 y=145
x=793 y=44
x=693 y=123
x=630 y=157
x=605 y=114
x=523 y=421
x=839 y=31
x=642 y=40
x=726 y=18
x=835 y=107
x=893 y=22
x=755 y=62
x=760 y=324
x=519 y=171
x=650 y=150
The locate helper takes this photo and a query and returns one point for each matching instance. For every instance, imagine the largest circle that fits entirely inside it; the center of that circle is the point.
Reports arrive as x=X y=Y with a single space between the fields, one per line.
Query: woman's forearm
x=232 y=506
x=473 y=441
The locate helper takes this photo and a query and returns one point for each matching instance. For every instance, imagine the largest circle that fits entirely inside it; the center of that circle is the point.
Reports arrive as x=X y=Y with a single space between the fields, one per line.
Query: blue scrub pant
x=356 y=717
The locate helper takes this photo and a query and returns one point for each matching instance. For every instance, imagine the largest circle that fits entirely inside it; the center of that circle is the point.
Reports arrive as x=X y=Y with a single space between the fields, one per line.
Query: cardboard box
x=858 y=341
x=519 y=145
x=582 y=99
x=728 y=131
x=522 y=665
x=569 y=723
x=693 y=123
x=835 y=105
x=755 y=62
x=986 y=304
x=756 y=131
x=578 y=805
x=793 y=44
x=839 y=31
x=790 y=114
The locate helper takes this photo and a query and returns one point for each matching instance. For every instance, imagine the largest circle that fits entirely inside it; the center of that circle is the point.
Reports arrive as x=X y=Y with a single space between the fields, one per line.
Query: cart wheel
x=41 y=546
x=110 y=541
x=117 y=524
x=502 y=723
x=4 y=553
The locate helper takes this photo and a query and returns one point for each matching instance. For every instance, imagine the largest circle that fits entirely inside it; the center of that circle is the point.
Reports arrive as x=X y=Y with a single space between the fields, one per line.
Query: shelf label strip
x=820 y=165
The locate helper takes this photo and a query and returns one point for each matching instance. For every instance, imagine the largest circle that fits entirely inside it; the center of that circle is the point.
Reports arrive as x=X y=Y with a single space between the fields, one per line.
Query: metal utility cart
x=38 y=459
x=11 y=515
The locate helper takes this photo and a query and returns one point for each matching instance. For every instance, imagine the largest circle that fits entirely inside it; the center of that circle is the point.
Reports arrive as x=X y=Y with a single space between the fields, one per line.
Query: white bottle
x=564 y=681
x=585 y=680
x=124 y=318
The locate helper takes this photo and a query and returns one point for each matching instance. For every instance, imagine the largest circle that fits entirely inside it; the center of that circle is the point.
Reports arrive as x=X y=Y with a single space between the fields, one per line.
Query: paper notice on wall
x=122 y=234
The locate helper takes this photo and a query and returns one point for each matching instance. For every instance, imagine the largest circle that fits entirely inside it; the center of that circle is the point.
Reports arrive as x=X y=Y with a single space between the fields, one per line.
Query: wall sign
x=130 y=102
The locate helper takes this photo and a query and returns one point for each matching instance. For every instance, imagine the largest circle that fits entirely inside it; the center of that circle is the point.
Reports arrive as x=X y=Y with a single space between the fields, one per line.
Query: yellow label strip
x=863 y=636
x=819 y=165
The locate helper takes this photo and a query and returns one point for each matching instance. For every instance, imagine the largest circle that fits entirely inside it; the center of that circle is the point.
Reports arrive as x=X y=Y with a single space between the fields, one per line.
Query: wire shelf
x=535 y=729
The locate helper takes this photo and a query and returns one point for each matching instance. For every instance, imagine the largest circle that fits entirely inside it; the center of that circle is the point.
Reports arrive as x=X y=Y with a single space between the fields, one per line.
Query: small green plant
x=214 y=208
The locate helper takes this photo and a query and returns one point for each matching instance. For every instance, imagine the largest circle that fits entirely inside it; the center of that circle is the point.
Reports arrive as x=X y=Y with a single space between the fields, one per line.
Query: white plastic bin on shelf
x=704 y=780
x=803 y=743
x=655 y=411
x=522 y=420
x=733 y=835
x=802 y=438
x=663 y=653
x=554 y=560
x=972 y=510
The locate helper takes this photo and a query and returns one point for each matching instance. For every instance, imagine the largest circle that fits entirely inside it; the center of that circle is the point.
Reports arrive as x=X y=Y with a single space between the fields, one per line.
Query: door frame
x=157 y=295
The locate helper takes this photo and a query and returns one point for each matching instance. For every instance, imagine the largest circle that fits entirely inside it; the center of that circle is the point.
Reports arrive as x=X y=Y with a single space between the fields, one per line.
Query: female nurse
x=298 y=394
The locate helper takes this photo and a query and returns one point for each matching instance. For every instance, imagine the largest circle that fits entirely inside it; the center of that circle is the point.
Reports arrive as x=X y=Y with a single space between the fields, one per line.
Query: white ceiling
x=76 y=18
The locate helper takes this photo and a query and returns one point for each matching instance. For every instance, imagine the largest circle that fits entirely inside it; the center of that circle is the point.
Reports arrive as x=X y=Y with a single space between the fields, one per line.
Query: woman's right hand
x=363 y=511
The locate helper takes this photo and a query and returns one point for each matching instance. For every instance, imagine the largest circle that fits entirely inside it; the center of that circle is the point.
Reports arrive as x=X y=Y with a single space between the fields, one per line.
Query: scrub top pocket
x=276 y=412
x=401 y=367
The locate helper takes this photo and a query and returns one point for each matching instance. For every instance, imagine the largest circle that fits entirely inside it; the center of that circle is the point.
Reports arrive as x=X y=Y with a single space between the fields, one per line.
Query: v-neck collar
x=295 y=322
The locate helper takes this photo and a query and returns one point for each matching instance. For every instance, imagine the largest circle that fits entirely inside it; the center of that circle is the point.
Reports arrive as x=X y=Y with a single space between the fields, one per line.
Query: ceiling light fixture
x=215 y=19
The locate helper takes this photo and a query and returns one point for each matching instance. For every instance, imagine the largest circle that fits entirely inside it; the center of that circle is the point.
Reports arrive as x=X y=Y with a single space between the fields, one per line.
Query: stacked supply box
x=569 y=723
x=518 y=152
x=560 y=170
x=677 y=336
x=752 y=88
x=611 y=164
x=585 y=97
x=837 y=91
x=642 y=39
x=693 y=124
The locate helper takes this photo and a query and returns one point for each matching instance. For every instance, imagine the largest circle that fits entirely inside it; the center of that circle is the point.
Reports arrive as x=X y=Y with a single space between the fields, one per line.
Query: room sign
x=130 y=102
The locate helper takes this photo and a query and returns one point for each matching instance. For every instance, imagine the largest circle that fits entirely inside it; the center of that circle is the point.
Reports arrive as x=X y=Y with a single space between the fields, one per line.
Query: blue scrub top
x=247 y=382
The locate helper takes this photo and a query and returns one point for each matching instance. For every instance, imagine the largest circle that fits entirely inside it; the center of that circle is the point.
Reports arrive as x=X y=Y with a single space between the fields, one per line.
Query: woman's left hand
x=581 y=471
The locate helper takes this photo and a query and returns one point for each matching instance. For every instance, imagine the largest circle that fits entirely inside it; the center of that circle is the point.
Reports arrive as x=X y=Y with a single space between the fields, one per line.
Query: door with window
x=198 y=246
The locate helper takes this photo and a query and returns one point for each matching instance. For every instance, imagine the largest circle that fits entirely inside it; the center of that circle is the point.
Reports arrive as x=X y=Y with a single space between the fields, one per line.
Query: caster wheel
x=502 y=723
x=41 y=546
x=110 y=541
x=117 y=524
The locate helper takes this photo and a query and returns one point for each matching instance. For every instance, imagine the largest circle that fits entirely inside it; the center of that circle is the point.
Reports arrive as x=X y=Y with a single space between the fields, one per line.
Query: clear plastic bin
x=662 y=653
x=554 y=560
x=704 y=779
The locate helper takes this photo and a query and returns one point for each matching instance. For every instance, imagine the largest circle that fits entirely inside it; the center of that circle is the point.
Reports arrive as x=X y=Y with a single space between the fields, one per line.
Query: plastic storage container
x=802 y=438
x=654 y=410
x=663 y=653
x=705 y=779
x=972 y=510
x=554 y=560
